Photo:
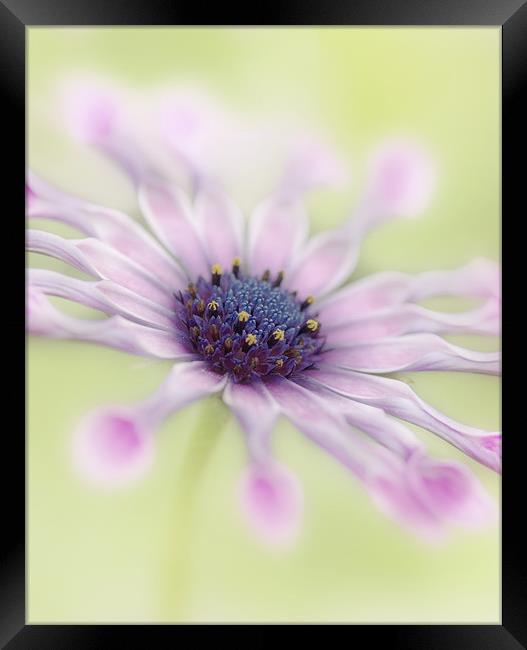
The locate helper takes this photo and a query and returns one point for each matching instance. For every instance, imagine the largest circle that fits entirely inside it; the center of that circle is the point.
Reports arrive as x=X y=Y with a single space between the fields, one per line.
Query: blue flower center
x=249 y=327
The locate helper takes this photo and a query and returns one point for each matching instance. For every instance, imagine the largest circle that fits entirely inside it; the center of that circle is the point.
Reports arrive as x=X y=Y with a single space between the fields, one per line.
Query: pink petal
x=327 y=260
x=256 y=412
x=393 y=497
x=102 y=261
x=450 y=490
x=92 y=110
x=221 y=225
x=112 y=447
x=420 y=493
x=277 y=229
x=187 y=382
x=112 y=265
x=398 y=399
x=399 y=186
x=381 y=472
x=412 y=352
x=386 y=430
x=311 y=164
x=55 y=284
x=478 y=279
x=40 y=314
x=135 y=307
x=45 y=320
x=271 y=501
x=115 y=445
x=327 y=428
x=402 y=179
x=362 y=297
x=190 y=124
x=104 y=296
x=169 y=215
x=111 y=226
x=98 y=113
x=410 y=318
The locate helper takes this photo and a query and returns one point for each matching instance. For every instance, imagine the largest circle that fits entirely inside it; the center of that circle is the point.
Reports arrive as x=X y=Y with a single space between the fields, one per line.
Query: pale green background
x=172 y=548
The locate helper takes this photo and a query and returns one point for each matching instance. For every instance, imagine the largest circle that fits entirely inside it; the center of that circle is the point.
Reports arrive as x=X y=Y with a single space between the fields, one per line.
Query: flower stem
x=182 y=517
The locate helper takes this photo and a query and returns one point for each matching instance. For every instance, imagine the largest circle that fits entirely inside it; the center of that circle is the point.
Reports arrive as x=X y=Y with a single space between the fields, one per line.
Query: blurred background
x=172 y=547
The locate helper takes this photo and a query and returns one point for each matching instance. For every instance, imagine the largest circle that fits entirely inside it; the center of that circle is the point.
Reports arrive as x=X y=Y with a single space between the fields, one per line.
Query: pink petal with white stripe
x=115 y=445
x=412 y=352
x=364 y=296
x=398 y=399
x=386 y=430
x=101 y=261
x=269 y=495
x=111 y=226
x=256 y=412
x=114 y=266
x=136 y=307
x=103 y=295
x=327 y=260
x=450 y=490
x=97 y=112
x=410 y=319
x=380 y=471
x=186 y=383
x=277 y=229
x=190 y=123
x=478 y=279
x=169 y=215
x=271 y=501
x=55 y=284
x=116 y=332
x=221 y=225
x=447 y=489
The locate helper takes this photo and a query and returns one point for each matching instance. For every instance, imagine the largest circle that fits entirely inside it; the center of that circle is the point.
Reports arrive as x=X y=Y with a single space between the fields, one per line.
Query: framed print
x=262 y=324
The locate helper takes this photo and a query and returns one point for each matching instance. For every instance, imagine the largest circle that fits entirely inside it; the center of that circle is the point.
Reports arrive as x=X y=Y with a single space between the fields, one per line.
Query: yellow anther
x=251 y=339
x=213 y=305
x=312 y=325
x=209 y=349
x=279 y=335
x=279 y=363
x=236 y=261
x=216 y=269
x=307 y=302
x=243 y=316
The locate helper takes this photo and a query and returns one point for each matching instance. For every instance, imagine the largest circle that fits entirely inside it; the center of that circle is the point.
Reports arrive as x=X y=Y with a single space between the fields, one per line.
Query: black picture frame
x=15 y=17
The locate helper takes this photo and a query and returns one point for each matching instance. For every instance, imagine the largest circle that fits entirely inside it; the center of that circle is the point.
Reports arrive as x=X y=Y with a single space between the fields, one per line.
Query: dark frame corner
x=16 y=16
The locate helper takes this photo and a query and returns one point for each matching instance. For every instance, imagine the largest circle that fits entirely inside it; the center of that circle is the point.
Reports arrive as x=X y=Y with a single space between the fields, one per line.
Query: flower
x=255 y=313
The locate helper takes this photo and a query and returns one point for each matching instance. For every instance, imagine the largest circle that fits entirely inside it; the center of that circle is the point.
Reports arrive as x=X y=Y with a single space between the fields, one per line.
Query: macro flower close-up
x=242 y=302
x=256 y=314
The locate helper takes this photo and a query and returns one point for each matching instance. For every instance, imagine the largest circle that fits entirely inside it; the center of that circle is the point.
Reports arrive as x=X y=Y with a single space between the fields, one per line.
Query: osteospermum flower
x=253 y=312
